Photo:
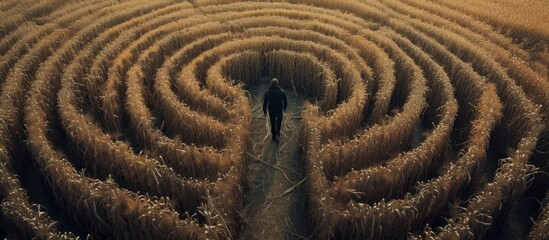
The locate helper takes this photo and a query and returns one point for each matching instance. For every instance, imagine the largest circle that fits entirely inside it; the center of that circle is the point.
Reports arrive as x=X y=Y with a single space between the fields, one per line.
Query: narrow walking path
x=275 y=203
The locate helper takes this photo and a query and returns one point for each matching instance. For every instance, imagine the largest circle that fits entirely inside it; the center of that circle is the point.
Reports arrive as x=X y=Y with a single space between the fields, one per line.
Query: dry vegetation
x=426 y=119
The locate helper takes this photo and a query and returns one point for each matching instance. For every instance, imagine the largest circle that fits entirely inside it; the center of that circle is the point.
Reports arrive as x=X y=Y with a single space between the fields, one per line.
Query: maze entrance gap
x=275 y=200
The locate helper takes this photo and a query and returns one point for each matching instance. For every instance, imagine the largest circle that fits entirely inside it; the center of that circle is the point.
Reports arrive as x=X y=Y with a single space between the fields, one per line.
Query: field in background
x=132 y=119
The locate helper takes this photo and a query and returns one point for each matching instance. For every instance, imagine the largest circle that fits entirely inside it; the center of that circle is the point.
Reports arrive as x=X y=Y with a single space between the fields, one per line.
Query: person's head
x=274 y=82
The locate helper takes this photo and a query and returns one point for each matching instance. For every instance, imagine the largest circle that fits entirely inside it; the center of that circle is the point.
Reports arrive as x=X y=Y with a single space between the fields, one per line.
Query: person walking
x=275 y=101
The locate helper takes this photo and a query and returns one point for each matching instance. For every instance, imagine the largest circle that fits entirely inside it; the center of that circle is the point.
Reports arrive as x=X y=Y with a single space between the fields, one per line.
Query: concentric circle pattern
x=425 y=119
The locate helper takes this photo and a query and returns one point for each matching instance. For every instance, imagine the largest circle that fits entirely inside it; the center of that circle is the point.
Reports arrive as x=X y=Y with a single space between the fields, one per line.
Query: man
x=275 y=101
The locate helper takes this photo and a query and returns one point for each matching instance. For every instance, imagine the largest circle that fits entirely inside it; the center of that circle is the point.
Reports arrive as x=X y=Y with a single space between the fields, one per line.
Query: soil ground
x=275 y=203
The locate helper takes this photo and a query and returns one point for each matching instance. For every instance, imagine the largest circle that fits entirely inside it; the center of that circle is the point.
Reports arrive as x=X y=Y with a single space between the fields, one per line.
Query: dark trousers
x=276 y=123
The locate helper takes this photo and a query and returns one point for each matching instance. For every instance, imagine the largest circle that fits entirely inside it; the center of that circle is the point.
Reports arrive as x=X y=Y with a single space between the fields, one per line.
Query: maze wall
x=423 y=121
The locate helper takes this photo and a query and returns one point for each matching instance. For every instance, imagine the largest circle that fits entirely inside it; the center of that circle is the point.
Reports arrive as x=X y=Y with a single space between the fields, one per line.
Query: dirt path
x=275 y=203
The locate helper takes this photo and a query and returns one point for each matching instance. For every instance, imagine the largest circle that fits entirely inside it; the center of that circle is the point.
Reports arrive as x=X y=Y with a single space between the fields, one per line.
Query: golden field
x=421 y=119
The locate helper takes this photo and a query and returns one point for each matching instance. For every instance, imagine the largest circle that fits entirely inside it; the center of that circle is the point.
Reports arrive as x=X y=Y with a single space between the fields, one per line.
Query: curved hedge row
x=420 y=115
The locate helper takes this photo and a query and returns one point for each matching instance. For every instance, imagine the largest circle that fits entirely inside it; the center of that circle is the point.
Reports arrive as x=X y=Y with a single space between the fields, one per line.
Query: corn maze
x=424 y=119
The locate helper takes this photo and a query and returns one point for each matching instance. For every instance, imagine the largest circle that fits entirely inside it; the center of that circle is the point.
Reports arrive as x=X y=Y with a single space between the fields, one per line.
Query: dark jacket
x=275 y=101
